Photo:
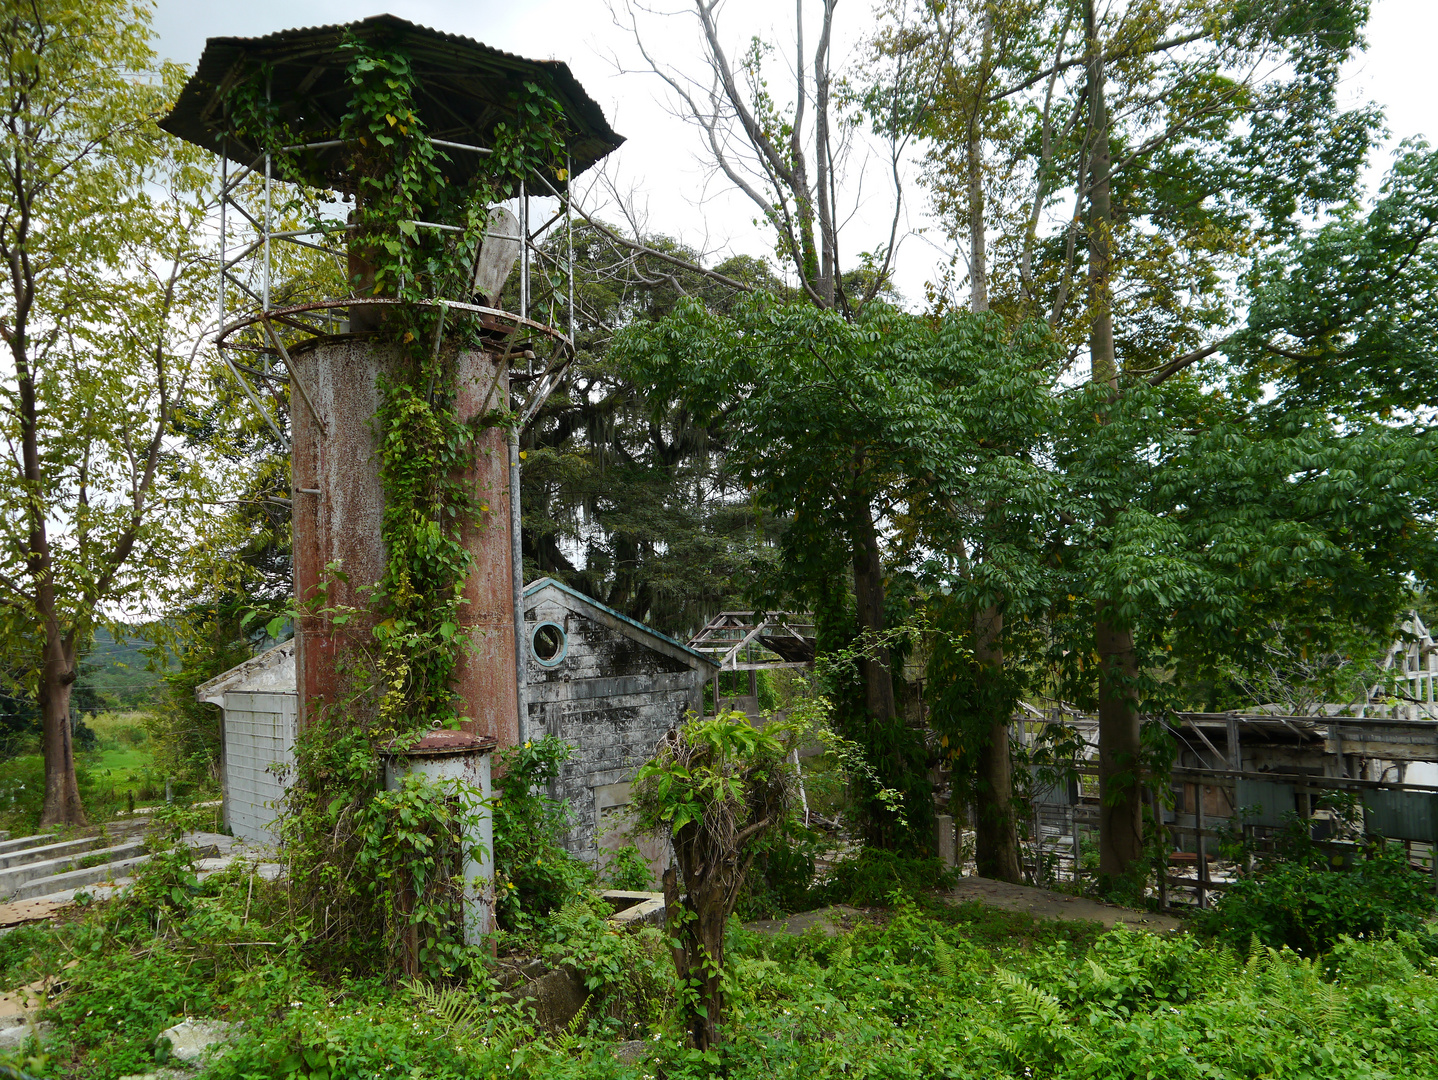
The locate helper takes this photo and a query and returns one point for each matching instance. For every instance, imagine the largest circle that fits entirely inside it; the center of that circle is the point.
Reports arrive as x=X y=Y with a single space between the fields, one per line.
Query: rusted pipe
x=516 y=561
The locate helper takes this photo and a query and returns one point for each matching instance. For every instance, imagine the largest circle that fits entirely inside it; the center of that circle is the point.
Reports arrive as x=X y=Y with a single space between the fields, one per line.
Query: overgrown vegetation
x=1307 y=895
x=713 y=789
x=918 y=989
x=1236 y=498
x=534 y=874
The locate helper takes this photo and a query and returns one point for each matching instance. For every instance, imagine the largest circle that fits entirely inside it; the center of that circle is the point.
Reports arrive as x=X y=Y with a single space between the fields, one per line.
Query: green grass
x=121 y=760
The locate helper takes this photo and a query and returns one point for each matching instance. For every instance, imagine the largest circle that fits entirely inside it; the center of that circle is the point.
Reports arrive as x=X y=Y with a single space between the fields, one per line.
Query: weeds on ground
x=920 y=991
x=1305 y=904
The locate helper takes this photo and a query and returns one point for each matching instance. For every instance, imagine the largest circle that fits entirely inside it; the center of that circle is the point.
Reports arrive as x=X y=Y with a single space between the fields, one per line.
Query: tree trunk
x=869 y=601
x=1119 y=740
x=697 y=923
x=1121 y=815
x=62 y=793
x=996 y=849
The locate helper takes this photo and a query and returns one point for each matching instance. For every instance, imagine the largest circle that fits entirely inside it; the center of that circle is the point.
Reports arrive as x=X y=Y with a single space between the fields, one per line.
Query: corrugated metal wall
x=259 y=735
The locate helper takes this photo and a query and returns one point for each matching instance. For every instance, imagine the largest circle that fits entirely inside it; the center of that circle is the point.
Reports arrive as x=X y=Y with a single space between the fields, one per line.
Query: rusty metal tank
x=338 y=512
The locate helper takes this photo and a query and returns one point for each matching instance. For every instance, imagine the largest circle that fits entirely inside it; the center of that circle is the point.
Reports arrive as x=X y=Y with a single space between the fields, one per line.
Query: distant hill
x=115 y=675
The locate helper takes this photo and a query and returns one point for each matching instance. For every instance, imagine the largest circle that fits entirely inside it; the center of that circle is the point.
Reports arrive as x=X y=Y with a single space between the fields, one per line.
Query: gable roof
x=272 y=672
x=661 y=643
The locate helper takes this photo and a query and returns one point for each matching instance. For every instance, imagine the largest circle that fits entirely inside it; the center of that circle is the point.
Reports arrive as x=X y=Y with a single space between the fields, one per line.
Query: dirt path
x=1047 y=904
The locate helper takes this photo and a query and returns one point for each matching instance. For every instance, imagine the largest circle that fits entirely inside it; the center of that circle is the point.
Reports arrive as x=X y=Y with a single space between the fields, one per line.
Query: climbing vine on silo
x=346 y=841
x=425 y=449
x=398 y=177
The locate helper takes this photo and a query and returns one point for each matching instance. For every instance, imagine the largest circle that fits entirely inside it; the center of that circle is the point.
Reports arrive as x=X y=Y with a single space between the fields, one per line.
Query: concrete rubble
x=190 y=1041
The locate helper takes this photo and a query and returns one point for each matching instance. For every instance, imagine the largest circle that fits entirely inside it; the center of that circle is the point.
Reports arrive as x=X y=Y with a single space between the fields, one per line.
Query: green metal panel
x=1401 y=815
x=1272 y=801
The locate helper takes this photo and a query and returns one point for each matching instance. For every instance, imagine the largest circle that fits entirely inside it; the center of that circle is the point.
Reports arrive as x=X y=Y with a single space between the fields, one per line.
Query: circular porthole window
x=548 y=643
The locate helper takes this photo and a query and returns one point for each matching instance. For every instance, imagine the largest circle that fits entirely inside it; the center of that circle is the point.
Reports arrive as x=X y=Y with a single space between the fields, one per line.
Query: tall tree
x=100 y=216
x=1172 y=128
x=841 y=424
x=787 y=151
x=626 y=492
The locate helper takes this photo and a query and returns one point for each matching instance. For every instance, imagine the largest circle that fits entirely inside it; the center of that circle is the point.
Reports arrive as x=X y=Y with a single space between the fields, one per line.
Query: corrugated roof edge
x=535 y=586
x=221 y=682
x=568 y=84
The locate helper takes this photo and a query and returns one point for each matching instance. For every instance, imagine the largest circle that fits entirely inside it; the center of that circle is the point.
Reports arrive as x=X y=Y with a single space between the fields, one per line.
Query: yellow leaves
x=523 y=454
x=561 y=174
x=408 y=336
x=484 y=507
x=393 y=120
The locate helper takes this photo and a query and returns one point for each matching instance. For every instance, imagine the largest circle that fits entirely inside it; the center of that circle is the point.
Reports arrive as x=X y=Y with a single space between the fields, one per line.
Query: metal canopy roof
x=464 y=90
x=790 y=637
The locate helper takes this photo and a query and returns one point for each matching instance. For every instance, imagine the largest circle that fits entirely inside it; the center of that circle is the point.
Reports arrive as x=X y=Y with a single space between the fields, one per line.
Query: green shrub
x=628 y=870
x=873 y=875
x=22 y=792
x=534 y=874
x=1307 y=906
x=627 y=972
x=781 y=881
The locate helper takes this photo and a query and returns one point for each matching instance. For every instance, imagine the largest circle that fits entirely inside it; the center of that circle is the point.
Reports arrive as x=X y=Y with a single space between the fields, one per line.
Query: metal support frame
x=732 y=633
x=264 y=236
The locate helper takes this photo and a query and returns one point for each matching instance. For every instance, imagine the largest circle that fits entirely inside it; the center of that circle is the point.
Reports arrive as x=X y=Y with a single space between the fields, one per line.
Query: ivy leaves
x=426 y=449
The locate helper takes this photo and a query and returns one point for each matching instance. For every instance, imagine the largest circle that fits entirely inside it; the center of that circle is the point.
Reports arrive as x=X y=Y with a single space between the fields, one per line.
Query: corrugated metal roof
x=465 y=89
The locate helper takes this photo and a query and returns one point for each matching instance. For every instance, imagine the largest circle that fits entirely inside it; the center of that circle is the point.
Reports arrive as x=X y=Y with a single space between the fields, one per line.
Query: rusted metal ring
x=495 y=319
x=444 y=743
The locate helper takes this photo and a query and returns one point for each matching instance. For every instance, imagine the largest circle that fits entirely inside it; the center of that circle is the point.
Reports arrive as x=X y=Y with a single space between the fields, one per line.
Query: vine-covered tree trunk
x=1121 y=816
x=996 y=850
x=697 y=922
x=1119 y=738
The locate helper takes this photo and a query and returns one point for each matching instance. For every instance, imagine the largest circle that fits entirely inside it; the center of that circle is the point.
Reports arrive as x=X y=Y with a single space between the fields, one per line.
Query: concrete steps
x=47 y=868
x=45 y=875
x=99 y=874
x=43 y=852
x=35 y=862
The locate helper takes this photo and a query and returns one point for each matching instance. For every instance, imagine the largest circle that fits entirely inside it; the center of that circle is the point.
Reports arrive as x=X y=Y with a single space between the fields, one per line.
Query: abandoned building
x=741 y=644
x=258 y=717
x=610 y=687
x=607 y=685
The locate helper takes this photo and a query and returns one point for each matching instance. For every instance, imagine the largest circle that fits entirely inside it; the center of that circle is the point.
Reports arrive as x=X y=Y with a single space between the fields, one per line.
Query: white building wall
x=259 y=760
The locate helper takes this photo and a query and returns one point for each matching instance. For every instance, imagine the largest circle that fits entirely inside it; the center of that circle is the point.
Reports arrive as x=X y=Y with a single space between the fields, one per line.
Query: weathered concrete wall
x=612 y=699
x=258 y=757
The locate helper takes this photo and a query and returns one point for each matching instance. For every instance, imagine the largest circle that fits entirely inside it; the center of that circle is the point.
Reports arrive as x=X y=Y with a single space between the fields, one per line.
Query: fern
x=1101 y=978
x=944 y=958
x=455 y=1008
x=1031 y=1002
x=1046 y=1023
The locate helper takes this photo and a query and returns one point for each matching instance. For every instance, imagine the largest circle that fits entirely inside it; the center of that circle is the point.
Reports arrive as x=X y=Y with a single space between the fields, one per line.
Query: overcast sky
x=661 y=161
